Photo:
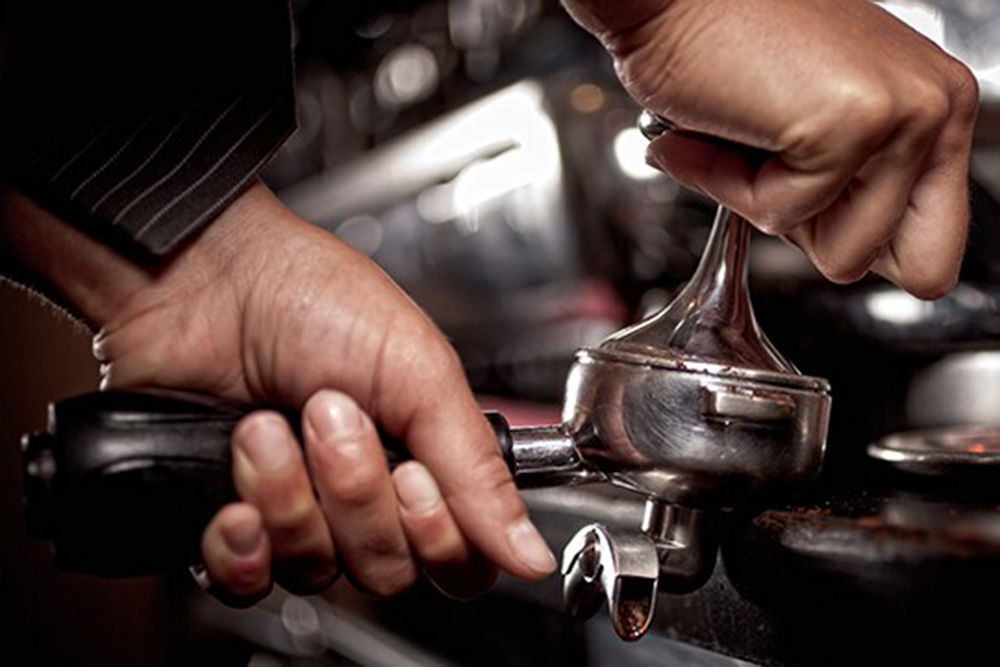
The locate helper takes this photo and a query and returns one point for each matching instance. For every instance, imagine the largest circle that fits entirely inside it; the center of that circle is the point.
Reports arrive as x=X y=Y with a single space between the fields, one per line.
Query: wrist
x=61 y=262
x=105 y=287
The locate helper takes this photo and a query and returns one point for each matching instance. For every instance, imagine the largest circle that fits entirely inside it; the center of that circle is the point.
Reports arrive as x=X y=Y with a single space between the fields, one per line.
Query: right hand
x=866 y=125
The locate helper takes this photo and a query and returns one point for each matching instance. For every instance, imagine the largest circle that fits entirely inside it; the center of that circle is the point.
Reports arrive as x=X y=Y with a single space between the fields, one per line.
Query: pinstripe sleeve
x=140 y=122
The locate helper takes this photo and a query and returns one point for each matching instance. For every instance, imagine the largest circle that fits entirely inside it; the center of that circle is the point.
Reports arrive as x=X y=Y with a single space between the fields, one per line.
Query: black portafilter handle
x=123 y=484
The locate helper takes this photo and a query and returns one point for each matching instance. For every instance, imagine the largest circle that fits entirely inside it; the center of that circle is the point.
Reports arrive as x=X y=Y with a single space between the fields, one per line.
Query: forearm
x=62 y=263
x=95 y=281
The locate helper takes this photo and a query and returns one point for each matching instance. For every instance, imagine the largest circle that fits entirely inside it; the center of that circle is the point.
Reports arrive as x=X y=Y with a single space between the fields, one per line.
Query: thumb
x=773 y=195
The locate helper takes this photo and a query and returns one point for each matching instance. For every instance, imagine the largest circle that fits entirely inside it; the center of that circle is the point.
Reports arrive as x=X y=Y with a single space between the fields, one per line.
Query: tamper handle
x=712 y=319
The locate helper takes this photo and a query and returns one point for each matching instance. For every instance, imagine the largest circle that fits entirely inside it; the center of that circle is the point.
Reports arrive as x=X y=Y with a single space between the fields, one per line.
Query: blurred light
x=587 y=98
x=630 y=154
x=482 y=181
x=930 y=22
x=299 y=618
x=517 y=148
x=436 y=204
x=990 y=79
x=375 y=28
x=406 y=75
x=363 y=232
x=927 y=20
x=897 y=307
x=477 y=24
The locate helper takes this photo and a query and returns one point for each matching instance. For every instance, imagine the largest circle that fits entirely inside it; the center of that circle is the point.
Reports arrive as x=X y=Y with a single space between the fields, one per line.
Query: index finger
x=447 y=432
x=925 y=256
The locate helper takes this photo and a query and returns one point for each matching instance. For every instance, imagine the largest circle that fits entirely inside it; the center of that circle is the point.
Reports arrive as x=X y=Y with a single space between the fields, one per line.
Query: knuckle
x=490 y=474
x=930 y=284
x=490 y=481
x=776 y=223
x=361 y=485
x=928 y=106
x=434 y=538
x=841 y=269
x=869 y=109
x=387 y=578
x=441 y=359
x=292 y=523
x=965 y=91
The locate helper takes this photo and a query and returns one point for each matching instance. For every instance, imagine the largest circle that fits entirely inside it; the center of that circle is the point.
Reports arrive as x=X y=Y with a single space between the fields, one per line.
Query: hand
x=867 y=126
x=265 y=308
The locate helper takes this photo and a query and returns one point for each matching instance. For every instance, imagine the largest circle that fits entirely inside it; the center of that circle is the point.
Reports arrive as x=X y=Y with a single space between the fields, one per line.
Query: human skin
x=866 y=126
x=264 y=308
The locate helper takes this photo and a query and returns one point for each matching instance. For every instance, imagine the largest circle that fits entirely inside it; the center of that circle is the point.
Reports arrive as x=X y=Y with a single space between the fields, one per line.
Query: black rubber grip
x=125 y=483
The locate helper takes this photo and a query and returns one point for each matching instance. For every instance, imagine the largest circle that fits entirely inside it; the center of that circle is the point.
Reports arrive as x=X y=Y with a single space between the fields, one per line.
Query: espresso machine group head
x=692 y=408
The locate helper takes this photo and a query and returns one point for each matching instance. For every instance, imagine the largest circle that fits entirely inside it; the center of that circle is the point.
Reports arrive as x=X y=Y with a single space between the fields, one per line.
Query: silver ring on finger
x=200 y=575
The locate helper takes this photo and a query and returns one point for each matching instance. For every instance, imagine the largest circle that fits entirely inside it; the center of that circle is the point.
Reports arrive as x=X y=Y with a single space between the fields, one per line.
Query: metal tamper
x=692 y=408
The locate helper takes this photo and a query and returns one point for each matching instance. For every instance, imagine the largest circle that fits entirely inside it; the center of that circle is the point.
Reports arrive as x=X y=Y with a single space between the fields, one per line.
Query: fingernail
x=243 y=537
x=334 y=416
x=530 y=547
x=265 y=443
x=416 y=488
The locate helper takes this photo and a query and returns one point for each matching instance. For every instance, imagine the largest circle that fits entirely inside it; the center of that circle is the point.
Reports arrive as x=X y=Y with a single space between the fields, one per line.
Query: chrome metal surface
x=694 y=409
x=685 y=543
x=547 y=456
x=962 y=388
x=968 y=29
x=620 y=568
x=712 y=319
x=967 y=317
x=313 y=630
x=644 y=427
x=694 y=405
x=950 y=450
x=732 y=404
x=652 y=125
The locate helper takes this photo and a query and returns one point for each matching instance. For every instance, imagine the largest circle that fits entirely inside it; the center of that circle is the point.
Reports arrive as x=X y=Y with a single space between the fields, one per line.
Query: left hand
x=264 y=308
